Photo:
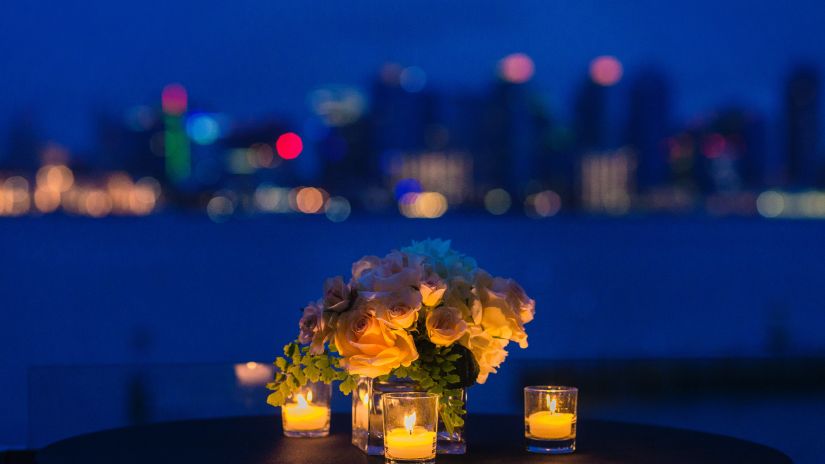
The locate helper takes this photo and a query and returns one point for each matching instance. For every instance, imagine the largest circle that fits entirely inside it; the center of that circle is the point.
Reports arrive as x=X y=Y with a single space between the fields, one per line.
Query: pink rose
x=399 y=310
x=445 y=325
x=395 y=272
x=337 y=294
x=312 y=322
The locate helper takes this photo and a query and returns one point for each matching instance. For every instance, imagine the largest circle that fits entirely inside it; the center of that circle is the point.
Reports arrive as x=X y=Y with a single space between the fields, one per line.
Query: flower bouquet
x=425 y=313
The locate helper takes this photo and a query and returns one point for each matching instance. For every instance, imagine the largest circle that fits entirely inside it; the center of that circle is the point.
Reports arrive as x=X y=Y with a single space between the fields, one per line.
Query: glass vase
x=368 y=419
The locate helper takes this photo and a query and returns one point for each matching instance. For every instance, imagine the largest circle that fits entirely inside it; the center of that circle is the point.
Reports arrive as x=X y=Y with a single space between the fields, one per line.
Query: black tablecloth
x=491 y=439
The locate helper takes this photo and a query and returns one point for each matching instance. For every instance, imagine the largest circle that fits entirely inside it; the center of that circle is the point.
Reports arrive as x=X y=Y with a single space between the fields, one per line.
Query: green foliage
x=297 y=367
x=434 y=371
x=440 y=370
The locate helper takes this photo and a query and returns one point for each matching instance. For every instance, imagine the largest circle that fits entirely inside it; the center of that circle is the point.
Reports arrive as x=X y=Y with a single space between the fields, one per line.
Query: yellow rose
x=432 y=290
x=461 y=294
x=445 y=325
x=368 y=346
x=488 y=351
x=516 y=296
x=498 y=317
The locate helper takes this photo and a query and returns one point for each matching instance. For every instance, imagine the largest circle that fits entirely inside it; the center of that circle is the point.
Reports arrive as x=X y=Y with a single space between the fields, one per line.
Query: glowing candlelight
x=550 y=425
x=303 y=415
x=410 y=442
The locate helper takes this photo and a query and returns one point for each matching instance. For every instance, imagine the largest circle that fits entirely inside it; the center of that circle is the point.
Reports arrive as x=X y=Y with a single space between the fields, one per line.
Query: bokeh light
x=253 y=374
x=97 y=203
x=516 y=68
x=606 y=70
x=413 y=79
x=55 y=177
x=337 y=209
x=174 y=99
x=203 y=129
x=497 y=201
x=542 y=204
x=289 y=145
x=770 y=204
x=220 y=208
x=338 y=105
x=271 y=199
x=309 y=200
x=426 y=205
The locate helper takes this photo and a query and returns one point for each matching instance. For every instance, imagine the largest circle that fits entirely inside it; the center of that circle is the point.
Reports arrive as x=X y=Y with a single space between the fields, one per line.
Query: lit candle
x=252 y=374
x=303 y=416
x=410 y=442
x=550 y=425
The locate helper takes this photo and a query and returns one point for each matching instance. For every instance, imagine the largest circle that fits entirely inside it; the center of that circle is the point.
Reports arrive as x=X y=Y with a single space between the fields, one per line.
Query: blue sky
x=61 y=61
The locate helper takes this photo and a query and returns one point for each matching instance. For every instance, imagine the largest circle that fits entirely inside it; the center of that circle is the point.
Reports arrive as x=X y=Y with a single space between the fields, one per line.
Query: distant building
x=513 y=130
x=648 y=127
x=608 y=181
x=590 y=110
x=804 y=163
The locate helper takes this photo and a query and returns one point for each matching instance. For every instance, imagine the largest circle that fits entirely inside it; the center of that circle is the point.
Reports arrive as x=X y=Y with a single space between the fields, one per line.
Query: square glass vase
x=368 y=419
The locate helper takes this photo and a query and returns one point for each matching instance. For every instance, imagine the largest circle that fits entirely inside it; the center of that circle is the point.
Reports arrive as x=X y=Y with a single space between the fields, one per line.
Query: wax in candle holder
x=410 y=427
x=306 y=413
x=550 y=419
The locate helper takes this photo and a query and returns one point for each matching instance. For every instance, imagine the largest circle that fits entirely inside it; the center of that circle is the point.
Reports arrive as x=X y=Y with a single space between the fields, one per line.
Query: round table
x=491 y=439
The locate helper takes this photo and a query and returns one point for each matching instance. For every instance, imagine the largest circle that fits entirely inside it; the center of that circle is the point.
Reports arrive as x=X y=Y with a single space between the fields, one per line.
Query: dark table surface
x=491 y=439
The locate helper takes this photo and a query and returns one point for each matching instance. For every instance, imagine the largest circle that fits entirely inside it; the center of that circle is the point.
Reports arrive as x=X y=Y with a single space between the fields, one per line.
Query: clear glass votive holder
x=306 y=412
x=410 y=427
x=550 y=419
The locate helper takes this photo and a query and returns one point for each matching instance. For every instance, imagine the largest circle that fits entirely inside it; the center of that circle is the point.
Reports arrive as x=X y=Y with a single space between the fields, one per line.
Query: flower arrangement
x=426 y=313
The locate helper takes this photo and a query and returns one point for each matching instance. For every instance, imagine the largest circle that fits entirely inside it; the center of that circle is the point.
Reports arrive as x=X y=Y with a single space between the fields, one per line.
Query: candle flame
x=309 y=397
x=365 y=398
x=409 y=422
x=551 y=404
x=302 y=402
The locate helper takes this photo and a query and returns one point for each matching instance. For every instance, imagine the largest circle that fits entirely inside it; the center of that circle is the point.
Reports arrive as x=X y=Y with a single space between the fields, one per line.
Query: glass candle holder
x=410 y=427
x=550 y=419
x=306 y=412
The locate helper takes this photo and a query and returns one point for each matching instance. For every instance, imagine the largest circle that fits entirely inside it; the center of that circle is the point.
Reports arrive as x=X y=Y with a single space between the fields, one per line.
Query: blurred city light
x=543 y=204
x=204 y=129
x=337 y=209
x=271 y=199
x=309 y=200
x=338 y=105
x=220 y=207
x=606 y=70
x=516 y=68
x=497 y=201
x=174 y=99
x=289 y=145
x=425 y=205
x=413 y=79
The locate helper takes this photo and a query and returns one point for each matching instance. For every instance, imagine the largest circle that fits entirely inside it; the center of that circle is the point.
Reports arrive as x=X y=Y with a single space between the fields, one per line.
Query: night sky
x=64 y=61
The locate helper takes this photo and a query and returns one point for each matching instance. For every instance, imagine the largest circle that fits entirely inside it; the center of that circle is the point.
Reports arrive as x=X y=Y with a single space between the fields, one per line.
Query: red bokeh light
x=714 y=145
x=606 y=70
x=289 y=145
x=174 y=99
x=517 y=68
